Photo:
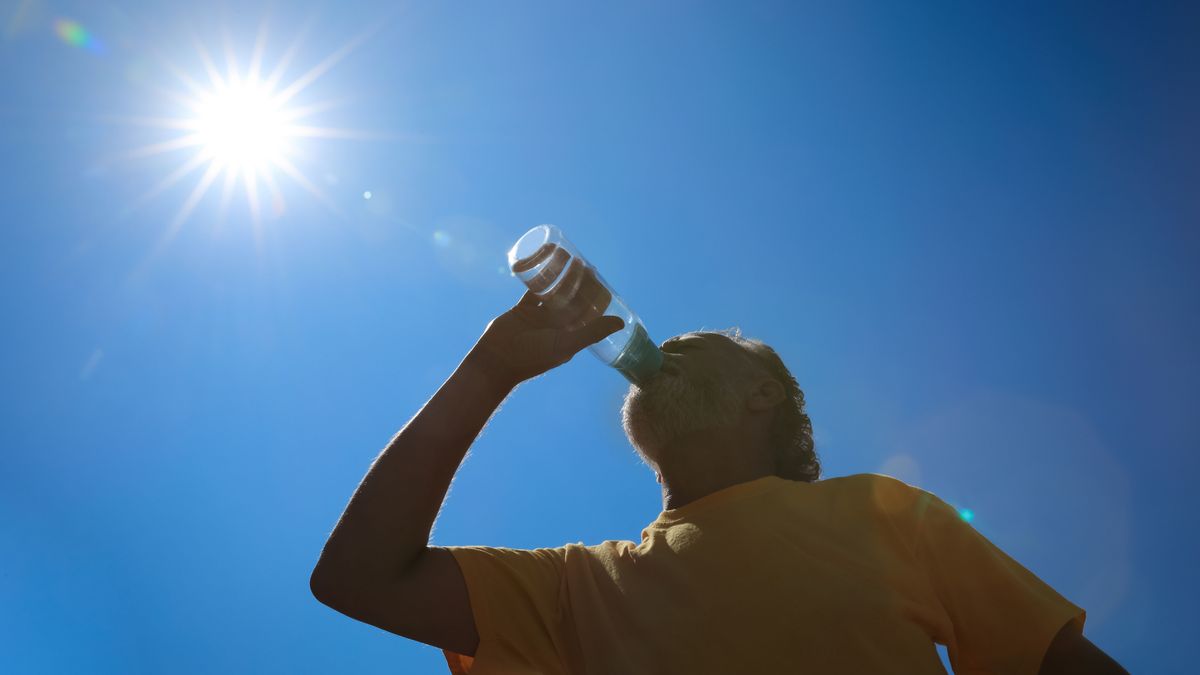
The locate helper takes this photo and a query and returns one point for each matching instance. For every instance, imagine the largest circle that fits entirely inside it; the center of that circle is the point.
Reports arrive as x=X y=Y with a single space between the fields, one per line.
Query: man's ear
x=767 y=394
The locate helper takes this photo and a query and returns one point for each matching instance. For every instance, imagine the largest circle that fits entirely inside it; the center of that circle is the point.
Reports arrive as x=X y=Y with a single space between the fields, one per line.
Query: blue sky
x=971 y=231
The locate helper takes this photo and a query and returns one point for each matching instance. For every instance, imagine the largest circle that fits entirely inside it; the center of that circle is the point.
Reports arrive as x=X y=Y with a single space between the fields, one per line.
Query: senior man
x=754 y=565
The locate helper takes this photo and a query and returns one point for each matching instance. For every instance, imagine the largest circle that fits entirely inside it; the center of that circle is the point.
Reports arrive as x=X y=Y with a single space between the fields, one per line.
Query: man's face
x=701 y=387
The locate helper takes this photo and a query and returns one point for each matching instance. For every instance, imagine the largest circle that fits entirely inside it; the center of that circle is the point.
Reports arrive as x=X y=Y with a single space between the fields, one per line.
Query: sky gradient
x=970 y=231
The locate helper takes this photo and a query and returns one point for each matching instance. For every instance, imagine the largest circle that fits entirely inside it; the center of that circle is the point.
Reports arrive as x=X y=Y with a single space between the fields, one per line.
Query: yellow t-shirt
x=860 y=574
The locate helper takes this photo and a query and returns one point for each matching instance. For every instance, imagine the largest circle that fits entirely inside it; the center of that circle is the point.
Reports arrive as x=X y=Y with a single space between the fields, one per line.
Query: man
x=753 y=566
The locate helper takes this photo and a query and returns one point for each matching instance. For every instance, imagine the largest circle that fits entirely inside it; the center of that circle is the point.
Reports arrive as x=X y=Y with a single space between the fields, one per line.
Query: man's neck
x=704 y=466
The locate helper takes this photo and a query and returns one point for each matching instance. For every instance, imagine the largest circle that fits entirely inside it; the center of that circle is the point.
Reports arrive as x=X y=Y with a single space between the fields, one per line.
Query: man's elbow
x=320 y=585
x=329 y=586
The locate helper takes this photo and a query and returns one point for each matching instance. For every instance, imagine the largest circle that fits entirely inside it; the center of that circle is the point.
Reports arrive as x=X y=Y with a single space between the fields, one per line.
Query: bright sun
x=242 y=127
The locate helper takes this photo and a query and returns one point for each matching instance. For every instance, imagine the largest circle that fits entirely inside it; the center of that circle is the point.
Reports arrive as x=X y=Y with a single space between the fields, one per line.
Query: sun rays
x=238 y=130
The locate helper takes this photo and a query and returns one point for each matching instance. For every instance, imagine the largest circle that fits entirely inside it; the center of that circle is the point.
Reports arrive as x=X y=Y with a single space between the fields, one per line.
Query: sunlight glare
x=242 y=127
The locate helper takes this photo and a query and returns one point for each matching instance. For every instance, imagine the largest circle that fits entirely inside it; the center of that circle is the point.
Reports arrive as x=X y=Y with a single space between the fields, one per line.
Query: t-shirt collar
x=726 y=495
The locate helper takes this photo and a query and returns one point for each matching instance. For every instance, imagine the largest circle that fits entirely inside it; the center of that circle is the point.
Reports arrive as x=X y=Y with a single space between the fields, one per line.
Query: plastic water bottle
x=552 y=267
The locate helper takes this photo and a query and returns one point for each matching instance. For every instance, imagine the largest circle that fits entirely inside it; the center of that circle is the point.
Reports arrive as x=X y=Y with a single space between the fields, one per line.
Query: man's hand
x=542 y=332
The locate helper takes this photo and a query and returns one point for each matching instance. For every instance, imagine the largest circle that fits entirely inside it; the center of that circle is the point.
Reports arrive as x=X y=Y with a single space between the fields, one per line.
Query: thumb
x=591 y=333
x=607 y=325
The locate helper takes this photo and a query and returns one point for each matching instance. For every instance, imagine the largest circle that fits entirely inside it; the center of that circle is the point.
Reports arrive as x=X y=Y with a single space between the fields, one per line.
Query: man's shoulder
x=609 y=548
x=882 y=492
x=869 y=481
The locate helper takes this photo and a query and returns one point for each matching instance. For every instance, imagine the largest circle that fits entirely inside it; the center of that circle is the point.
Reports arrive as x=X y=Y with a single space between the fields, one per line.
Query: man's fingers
x=578 y=298
x=592 y=299
x=560 y=298
x=528 y=301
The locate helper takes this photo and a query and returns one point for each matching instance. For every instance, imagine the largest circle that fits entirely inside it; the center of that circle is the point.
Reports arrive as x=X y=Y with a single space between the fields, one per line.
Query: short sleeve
x=1001 y=617
x=515 y=599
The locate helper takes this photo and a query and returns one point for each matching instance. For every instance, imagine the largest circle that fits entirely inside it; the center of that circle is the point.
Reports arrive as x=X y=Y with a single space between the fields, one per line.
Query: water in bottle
x=552 y=267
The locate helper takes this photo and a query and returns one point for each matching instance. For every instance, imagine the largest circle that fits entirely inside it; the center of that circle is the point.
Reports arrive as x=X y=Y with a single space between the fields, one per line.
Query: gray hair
x=791 y=429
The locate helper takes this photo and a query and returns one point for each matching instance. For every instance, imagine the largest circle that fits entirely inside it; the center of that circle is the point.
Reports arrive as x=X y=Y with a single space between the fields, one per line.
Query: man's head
x=720 y=382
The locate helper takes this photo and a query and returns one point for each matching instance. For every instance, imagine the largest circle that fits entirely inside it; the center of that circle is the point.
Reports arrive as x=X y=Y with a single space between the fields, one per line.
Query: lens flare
x=77 y=36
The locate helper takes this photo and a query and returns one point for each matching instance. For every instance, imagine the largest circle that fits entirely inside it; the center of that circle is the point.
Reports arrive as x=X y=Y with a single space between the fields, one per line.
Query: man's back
x=845 y=575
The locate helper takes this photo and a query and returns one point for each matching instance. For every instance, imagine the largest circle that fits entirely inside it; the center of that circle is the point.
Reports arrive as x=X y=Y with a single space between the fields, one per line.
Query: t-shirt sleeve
x=1001 y=617
x=516 y=602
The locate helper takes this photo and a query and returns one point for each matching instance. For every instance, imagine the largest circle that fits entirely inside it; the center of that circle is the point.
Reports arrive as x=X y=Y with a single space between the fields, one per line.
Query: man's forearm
x=389 y=518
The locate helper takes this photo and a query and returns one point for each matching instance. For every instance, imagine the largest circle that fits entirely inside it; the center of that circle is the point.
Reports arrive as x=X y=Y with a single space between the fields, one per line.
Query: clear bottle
x=550 y=266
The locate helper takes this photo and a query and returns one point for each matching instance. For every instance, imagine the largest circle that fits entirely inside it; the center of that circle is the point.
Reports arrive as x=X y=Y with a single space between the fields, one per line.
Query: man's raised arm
x=386 y=525
x=374 y=566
